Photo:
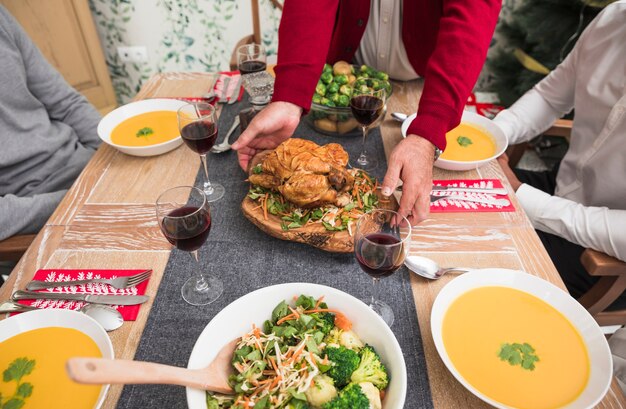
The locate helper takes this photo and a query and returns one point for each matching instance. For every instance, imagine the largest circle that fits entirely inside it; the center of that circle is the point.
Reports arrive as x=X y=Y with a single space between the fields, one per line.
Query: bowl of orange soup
x=143 y=128
x=516 y=341
x=473 y=143
x=34 y=347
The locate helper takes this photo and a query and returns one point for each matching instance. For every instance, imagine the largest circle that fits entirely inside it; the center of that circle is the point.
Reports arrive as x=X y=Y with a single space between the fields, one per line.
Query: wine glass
x=185 y=219
x=381 y=243
x=252 y=64
x=367 y=103
x=197 y=123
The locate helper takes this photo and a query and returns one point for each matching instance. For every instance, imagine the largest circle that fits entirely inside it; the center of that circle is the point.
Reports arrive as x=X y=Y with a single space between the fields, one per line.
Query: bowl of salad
x=302 y=345
x=330 y=112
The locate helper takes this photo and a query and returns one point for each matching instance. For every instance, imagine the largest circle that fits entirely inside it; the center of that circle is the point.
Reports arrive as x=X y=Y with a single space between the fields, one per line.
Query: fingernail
x=386 y=191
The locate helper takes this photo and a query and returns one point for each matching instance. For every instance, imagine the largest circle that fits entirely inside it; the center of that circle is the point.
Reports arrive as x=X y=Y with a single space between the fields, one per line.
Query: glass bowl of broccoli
x=330 y=109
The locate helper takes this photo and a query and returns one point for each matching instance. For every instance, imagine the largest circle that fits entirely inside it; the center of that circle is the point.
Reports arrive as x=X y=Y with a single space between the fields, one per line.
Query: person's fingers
x=408 y=198
x=421 y=208
x=391 y=177
x=251 y=132
x=503 y=158
x=244 y=155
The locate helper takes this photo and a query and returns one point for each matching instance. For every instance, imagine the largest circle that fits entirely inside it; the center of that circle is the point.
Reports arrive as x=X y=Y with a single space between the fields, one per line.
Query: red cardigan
x=446 y=42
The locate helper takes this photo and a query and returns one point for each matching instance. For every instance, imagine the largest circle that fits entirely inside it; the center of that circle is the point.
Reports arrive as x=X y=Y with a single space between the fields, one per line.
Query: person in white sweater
x=47 y=133
x=583 y=204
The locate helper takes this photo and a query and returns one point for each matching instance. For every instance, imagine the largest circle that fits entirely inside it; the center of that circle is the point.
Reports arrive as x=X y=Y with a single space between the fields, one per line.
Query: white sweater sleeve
x=598 y=228
x=538 y=108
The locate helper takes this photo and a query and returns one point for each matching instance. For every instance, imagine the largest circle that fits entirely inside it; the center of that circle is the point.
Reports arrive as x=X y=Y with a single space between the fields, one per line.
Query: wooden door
x=65 y=33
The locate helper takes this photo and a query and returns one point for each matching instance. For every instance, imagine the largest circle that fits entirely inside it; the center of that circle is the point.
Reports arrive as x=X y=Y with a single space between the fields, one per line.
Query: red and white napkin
x=230 y=90
x=129 y=312
x=448 y=206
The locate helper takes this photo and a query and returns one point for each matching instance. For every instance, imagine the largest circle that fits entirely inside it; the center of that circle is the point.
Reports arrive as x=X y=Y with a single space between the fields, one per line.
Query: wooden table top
x=107 y=218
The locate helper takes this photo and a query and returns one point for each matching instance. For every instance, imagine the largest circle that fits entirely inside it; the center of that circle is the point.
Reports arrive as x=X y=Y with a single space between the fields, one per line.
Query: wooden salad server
x=118 y=371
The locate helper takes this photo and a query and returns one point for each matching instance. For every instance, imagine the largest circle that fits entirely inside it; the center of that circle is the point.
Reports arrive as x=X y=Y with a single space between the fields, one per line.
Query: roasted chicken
x=306 y=174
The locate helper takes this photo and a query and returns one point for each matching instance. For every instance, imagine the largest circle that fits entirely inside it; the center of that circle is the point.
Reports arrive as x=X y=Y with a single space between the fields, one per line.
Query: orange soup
x=36 y=360
x=468 y=143
x=146 y=129
x=483 y=329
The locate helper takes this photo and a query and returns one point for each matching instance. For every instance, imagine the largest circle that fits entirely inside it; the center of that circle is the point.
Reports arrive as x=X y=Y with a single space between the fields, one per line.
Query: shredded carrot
x=265 y=206
x=285 y=318
x=366 y=177
x=257 y=332
x=382 y=394
x=294 y=312
x=319 y=301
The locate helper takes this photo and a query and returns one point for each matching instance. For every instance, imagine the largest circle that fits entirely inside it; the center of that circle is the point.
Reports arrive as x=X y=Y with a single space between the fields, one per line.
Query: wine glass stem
x=201 y=283
x=363 y=156
x=208 y=189
x=375 y=285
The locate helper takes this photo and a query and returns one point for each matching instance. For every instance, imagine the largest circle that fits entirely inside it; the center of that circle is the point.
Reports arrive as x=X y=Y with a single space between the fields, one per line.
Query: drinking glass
x=197 y=123
x=381 y=243
x=185 y=219
x=367 y=103
x=252 y=63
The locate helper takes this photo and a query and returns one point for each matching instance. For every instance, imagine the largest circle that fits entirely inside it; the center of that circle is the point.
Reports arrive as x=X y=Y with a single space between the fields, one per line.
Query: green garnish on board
x=464 y=141
x=144 y=132
x=14 y=373
x=519 y=354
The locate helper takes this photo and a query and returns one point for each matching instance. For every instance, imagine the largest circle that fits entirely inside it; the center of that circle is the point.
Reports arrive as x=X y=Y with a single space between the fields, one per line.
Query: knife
x=235 y=95
x=492 y=202
x=91 y=298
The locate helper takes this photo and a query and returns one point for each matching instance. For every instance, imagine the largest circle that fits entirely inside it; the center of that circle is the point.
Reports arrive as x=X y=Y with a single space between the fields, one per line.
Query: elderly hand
x=268 y=129
x=412 y=162
x=503 y=160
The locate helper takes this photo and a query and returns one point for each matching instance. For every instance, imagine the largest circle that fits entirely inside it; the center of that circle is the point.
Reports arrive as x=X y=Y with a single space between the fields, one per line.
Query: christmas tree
x=532 y=39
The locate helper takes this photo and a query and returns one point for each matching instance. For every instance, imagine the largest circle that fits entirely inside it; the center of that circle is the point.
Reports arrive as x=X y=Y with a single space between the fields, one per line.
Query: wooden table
x=108 y=219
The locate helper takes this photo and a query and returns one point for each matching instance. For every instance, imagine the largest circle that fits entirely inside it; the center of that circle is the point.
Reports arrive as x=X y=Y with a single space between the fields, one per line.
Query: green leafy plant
x=519 y=354
x=464 y=141
x=18 y=369
x=144 y=132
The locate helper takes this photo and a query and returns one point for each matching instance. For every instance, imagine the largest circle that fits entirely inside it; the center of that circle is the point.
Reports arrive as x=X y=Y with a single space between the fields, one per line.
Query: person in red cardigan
x=443 y=41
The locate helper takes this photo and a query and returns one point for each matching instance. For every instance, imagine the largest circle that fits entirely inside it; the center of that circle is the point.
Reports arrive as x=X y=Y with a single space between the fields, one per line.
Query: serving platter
x=237 y=318
x=600 y=370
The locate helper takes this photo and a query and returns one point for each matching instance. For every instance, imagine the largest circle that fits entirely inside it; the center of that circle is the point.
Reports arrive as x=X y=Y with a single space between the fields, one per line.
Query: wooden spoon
x=114 y=371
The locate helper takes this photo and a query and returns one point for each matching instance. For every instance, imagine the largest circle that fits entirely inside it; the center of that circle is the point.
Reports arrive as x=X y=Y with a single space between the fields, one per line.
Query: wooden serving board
x=314 y=235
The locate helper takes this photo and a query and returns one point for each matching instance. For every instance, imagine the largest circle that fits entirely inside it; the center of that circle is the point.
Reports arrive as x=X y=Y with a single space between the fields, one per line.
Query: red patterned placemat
x=447 y=206
x=129 y=312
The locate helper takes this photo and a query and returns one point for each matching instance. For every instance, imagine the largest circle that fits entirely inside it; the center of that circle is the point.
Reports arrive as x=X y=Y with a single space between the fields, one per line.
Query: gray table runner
x=246 y=259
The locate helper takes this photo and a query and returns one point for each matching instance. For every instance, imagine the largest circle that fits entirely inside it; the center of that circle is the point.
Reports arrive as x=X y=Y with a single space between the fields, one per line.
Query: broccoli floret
x=351 y=397
x=325 y=322
x=371 y=369
x=344 y=362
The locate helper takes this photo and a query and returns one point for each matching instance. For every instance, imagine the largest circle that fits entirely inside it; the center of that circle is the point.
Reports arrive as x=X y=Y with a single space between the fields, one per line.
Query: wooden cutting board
x=314 y=235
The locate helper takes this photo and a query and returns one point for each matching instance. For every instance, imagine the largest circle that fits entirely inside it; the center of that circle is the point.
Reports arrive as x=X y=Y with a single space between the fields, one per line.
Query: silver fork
x=225 y=145
x=119 y=282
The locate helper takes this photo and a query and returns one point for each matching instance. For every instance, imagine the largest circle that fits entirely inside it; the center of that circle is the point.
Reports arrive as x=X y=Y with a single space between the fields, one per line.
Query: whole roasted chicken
x=306 y=174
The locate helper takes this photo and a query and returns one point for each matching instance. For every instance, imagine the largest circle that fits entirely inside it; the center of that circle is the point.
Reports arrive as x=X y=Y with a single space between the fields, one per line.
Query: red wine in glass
x=379 y=255
x=251 y=66
x=366 y=108
x=199 y=136
x=187 y=228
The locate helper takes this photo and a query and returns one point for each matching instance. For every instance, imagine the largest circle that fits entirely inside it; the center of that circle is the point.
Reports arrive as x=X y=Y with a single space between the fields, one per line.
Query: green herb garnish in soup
x=464 y=141
x=144 y=132
x=519 y=354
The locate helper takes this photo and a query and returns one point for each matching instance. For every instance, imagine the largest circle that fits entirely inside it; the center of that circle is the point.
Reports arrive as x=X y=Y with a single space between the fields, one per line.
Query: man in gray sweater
x=47 y=133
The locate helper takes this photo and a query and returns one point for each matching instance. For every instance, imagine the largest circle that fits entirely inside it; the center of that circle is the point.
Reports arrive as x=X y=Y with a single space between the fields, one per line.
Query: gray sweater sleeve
x=62 y=102
x=25 y=215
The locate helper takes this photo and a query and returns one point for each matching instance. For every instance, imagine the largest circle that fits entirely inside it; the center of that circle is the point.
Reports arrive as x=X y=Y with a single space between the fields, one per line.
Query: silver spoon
x=109 y=318
x=427 y=268
x=399 y=116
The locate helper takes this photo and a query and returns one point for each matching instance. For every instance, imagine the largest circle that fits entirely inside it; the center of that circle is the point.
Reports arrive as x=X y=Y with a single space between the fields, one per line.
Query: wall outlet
x=133 y=54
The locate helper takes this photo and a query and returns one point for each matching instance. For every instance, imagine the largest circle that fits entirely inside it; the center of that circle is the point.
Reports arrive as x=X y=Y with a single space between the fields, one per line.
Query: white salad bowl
x=478 y=121
x=117 y=116
x=237 y=318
